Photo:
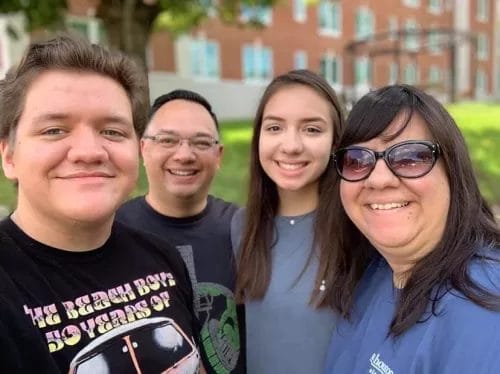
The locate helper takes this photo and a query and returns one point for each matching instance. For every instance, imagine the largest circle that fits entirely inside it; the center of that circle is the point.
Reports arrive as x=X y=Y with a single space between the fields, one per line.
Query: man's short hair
x=70 y=53
x=183 y=95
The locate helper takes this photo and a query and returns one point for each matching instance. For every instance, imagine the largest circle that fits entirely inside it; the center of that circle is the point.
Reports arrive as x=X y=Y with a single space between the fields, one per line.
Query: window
x=205 y=62
x=410 y=73
x=411 y=39
x=393 y=73
x=434 y=75
x=300 y=60
x=362 y=71
x=364 y=24
x=89 y=27
x=393 y=27
x=330 y=69
x=412 y=3
x=299 y=10
x=433 y=42
x=482 y=10
x=260 y=14
x=330 y=17
x=257 y=62
x=435 y=6
x=482 y=46
x=481 y=83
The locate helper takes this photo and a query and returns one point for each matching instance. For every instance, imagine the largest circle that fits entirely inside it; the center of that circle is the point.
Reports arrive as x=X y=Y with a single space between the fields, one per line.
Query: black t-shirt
x=124 y=307
x=204 y=241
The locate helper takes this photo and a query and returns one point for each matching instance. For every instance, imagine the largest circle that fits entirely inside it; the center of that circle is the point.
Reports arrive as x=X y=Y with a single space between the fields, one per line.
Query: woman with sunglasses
x=285 y=255
x=418 y=273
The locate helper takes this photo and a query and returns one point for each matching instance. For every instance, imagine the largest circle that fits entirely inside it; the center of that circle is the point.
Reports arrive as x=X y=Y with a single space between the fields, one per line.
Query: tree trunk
x=128 y=25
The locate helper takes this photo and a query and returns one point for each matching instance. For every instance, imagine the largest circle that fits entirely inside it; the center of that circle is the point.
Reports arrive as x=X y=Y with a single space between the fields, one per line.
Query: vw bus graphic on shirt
x=151 y=345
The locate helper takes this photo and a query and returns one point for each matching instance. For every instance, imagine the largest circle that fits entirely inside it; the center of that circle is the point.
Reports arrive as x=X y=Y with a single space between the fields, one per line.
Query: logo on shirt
x=378 y=366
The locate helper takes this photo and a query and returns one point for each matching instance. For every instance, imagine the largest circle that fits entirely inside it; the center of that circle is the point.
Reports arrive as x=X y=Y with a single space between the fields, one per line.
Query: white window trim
x=299 y=17
x=433 y=9
x=364 y=10
x=303 y=53
x=204 y=76
x=411 y=4
x=366 y=84
x=483 y=54
x=267 y=21
x=434 y=68
x=330 y=57
x=416 y=27
x=417 y=73
x=438 y=49
x=331 y=32
x=258 y=47
x=482 y=17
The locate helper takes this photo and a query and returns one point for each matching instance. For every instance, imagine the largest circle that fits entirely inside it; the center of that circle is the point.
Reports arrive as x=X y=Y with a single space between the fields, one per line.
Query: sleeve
x=237 y=229
x=473 y=346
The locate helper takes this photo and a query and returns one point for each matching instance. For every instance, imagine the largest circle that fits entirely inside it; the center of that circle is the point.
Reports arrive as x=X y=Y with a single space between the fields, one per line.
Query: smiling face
x=403 y=218
x=295 y=141
x=180 y=174
x=75 y=152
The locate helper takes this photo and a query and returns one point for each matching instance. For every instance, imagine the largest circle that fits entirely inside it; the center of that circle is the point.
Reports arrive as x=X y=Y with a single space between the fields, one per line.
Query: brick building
x=337 y=38
x=297 y=35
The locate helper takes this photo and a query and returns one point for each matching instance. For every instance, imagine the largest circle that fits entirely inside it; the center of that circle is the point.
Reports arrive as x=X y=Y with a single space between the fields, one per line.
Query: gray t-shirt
x=284 y=333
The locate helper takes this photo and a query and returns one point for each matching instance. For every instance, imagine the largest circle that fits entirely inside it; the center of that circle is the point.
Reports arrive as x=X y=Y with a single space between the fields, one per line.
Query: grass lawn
x=479 y=123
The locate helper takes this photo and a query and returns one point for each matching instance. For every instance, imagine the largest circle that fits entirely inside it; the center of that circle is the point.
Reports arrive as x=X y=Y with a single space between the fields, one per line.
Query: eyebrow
x=302 y=120
x=171 y=132
x=63 y=116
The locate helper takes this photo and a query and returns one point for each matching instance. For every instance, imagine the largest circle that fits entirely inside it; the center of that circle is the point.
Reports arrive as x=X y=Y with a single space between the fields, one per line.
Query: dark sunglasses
x=409 y=159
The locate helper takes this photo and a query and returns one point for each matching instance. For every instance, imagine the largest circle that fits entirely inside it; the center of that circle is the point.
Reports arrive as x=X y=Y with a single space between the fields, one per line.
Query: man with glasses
x=182 y=152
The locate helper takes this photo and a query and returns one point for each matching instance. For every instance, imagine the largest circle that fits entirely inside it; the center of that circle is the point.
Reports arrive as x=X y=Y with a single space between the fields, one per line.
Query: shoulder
x=237 y=223
x=238 y=220
x=484 y=269
x=221 y=208
x=130 y=207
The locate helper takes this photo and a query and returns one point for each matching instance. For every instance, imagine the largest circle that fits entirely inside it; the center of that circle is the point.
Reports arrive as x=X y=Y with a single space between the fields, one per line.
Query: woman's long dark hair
x=470 y=224
x=254 y=260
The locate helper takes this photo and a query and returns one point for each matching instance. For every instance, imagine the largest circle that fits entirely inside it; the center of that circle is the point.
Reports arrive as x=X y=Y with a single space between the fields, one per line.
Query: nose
x=292 y=142
x=184 y=153
x=381 y=176
x=87 y=146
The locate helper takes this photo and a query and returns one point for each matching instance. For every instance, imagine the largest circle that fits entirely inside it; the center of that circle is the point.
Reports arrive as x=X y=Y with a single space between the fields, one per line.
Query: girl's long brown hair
x=254 y=259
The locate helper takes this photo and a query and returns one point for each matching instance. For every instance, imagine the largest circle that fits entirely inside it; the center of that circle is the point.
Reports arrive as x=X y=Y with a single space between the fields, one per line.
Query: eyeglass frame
x=434 y=147
x=182 y=139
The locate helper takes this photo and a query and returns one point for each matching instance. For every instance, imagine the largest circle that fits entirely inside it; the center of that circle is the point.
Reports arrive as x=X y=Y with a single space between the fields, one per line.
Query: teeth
x=286 y=166
x=388 y=206
x=182 y=173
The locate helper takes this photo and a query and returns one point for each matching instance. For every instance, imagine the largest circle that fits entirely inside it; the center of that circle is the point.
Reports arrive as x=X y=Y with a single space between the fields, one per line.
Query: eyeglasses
x=171 y=141
x=409 y=159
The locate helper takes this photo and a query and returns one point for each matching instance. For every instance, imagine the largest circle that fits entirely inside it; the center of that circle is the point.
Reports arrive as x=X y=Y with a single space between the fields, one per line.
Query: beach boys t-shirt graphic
x=120 y=330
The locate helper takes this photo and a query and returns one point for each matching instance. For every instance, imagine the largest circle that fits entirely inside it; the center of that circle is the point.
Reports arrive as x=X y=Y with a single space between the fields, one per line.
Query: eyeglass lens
x=407 y=160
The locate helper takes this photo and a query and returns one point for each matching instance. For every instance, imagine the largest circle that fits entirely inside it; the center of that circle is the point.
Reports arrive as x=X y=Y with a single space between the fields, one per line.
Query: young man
x=79 y=293
x=182 y=152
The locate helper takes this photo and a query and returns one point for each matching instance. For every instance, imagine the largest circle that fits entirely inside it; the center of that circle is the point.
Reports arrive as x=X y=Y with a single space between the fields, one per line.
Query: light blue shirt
x=284 y=333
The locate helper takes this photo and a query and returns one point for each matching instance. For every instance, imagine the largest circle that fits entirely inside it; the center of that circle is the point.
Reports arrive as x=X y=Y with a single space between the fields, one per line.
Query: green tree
x=128 y=23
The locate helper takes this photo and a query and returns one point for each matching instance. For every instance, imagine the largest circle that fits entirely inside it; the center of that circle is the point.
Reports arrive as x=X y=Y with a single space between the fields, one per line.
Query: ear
x=219 y=155
x=8 y=165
